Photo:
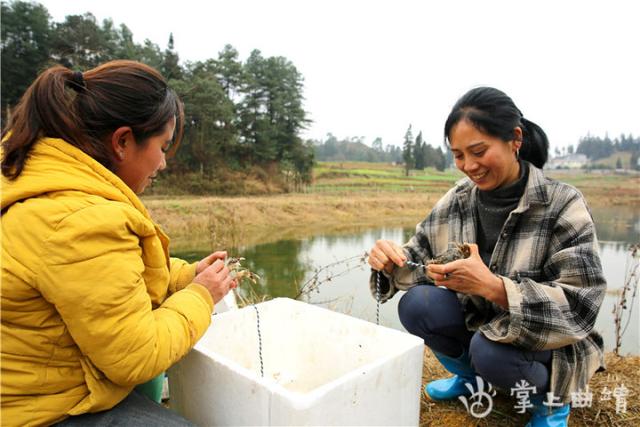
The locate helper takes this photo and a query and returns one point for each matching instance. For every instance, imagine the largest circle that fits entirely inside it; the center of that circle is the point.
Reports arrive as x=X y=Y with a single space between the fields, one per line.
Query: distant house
x=570 y=161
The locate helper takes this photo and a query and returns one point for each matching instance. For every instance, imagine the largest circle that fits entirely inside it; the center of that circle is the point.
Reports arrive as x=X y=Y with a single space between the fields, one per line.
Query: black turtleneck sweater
x=493 y=209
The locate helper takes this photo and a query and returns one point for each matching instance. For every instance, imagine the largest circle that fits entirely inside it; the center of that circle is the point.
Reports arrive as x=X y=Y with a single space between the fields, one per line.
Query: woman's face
x=489 y=162
x=139 y=164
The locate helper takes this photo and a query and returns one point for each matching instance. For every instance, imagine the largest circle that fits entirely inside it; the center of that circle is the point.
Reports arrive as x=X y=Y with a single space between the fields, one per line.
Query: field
x=377 y=177
x=598 y=186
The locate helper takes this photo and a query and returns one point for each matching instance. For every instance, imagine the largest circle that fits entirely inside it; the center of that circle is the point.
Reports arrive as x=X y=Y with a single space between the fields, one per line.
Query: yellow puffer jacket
x=92 y=305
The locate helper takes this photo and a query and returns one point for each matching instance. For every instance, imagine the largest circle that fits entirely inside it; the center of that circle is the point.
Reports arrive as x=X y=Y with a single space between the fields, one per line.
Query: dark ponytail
x=494 y=113
x=85 y=108
x=45 y=109
x=535 y=145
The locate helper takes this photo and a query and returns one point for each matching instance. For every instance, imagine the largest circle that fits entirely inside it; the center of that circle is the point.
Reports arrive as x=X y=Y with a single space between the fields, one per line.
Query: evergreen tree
x=80 y=43
x=150 y=54
x=407 y=151
x=253 y=123
x=26 y=40
x=229 y=71
x=440 y=160
x=427 y=156
x=418 y=153
x=208 y=140
x=124 y=46
x=271 y=113
x=170 y=62
x=284 y=105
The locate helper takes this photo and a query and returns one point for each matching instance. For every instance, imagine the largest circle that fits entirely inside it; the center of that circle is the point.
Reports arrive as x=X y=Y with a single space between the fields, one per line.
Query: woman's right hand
x=385 y=254
x=216 y=279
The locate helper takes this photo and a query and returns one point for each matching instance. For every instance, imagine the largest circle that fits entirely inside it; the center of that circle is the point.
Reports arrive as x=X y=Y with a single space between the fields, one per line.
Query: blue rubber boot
x=548 y=416
x=451 y=388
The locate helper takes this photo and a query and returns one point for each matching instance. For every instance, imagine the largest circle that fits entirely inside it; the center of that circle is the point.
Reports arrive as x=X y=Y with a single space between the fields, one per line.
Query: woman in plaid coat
x=523 y=305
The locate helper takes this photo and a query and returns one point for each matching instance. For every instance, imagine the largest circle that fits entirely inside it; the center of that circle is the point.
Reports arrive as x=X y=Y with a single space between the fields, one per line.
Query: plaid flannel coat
x=547 y=257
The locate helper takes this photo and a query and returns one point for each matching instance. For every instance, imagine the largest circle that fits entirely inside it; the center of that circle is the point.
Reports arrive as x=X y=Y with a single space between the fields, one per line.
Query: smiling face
x=138 y=164
x=490 y=162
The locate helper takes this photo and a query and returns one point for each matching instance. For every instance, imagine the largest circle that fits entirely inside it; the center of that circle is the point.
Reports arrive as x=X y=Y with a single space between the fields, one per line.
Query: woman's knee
x=422 y=307
x=504 y=365
x=491 y=360
x=412 y=308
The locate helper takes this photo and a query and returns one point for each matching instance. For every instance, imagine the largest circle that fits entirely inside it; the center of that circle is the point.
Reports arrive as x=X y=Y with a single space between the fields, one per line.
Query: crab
x=457 y=251
x=239 y=272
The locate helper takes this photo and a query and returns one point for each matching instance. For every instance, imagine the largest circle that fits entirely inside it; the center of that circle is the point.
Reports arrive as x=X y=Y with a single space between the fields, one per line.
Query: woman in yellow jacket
x=92 y=304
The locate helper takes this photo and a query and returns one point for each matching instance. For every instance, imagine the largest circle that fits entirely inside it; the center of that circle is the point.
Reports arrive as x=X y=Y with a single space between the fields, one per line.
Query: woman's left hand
x=207 y=261
x=469 y=276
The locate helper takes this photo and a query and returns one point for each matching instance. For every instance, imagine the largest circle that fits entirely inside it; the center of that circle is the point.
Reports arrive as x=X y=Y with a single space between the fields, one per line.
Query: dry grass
x=603 y=189
x=223 y=222
x=620 y=370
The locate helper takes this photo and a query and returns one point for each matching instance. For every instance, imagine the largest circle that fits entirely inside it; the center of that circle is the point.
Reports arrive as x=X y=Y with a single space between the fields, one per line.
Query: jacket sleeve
x=181 y=274
x=431 y=233
x=557 y=305
x=93 y=274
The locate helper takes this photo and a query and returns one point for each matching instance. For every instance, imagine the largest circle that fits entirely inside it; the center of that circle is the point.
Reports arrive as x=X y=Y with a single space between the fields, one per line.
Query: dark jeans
x=435 y=315
x=134 y=411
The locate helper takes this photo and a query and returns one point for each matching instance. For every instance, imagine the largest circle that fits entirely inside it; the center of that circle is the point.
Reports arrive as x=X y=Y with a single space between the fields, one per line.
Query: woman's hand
x=216 y=279
x=385 y=254
x=470 y=276
x=207 y=261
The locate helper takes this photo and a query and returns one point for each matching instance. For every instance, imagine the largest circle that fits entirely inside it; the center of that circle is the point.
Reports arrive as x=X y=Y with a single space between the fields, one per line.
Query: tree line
x=332 y=149
x=596 y=148
x=415 y=154
x=238 y=113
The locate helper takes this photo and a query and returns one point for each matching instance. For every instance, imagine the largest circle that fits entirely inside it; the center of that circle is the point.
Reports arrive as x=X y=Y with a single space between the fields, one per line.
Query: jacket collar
x=54 y=165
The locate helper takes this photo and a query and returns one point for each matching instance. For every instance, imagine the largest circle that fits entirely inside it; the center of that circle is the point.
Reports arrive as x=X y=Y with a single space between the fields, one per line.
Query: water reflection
x=287 y=264
x=280 y=265
x=619 y=225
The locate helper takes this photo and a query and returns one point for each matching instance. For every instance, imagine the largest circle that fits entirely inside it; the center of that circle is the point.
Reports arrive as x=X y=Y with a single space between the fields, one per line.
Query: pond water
x=286 y=265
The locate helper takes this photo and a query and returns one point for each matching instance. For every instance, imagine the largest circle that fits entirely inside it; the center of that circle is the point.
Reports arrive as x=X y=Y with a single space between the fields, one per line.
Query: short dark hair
x=85 y=108
x=494 y=113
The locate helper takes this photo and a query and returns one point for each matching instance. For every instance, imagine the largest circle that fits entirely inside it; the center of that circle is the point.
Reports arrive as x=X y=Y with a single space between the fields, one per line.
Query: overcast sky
x=371 y=68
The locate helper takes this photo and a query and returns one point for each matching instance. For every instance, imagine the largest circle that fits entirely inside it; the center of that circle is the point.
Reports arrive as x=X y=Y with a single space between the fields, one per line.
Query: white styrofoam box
x=320 y=368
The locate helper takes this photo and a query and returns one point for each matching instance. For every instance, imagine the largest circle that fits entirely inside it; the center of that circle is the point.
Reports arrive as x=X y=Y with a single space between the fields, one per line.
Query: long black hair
x=493 y=112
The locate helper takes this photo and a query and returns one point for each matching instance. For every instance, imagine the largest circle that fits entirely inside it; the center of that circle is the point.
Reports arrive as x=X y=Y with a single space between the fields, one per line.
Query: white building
x=570 y=161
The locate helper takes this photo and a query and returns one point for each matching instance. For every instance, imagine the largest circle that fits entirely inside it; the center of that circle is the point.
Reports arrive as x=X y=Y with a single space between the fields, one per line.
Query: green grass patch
x=358 y=176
